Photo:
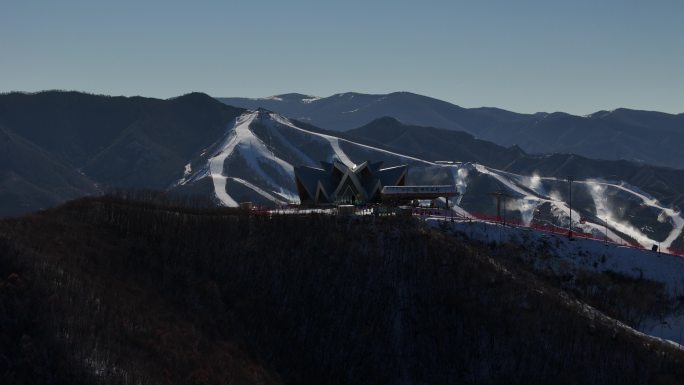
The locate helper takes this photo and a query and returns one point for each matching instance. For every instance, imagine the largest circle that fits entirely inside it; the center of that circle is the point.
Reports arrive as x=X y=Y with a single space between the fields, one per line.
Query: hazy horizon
x=530 y=56
x=333 y=94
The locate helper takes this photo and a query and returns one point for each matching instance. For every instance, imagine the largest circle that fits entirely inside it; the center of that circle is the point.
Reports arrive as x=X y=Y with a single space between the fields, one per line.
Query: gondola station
x=336 y=184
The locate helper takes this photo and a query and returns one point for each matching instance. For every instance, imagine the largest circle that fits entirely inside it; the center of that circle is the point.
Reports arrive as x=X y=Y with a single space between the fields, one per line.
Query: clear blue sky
x=575 y=56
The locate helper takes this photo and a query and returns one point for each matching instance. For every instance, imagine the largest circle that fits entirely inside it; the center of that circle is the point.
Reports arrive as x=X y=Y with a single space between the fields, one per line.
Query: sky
x=526 y=55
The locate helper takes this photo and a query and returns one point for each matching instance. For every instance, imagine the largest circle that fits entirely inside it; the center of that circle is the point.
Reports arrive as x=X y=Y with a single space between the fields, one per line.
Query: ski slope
x=270 y=177
x=252 y=149
x=332 y=140
x=674 y=216
x=226 y=149
x=532 y=194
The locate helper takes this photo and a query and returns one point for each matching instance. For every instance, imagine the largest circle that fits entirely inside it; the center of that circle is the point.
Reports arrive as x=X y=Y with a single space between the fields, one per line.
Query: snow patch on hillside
x=311 y=99
x=274 y=97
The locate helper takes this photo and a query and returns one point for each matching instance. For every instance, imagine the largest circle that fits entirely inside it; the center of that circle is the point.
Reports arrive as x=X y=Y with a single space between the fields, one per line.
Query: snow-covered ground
x=593 y=255
x=532 y=193
x=586 y=253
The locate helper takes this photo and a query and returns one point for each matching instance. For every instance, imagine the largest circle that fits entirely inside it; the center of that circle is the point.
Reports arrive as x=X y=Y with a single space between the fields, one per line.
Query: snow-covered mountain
x=255 y=159
x=62 y=145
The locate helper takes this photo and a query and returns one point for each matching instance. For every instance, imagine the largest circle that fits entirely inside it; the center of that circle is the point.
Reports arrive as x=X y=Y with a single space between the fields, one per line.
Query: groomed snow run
x=216 y=162
x=562 y=210
x=253 y=151
x=674 y=216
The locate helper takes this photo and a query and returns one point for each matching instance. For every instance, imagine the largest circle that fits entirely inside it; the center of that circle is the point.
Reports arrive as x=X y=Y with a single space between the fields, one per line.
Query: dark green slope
x=32 y=179
x=152 y=151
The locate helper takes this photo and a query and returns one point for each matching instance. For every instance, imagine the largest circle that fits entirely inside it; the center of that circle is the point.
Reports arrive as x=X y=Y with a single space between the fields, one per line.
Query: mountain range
x=622 y=134
x=61 y=145
x=123 y=284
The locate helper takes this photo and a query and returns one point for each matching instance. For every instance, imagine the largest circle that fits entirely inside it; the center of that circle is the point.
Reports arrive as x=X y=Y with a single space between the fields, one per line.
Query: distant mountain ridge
x=643 y=136
x=62 y=145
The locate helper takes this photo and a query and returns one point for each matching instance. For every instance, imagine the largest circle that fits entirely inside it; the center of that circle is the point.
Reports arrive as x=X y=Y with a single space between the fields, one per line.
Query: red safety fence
x=553 y=229
x=541 y=227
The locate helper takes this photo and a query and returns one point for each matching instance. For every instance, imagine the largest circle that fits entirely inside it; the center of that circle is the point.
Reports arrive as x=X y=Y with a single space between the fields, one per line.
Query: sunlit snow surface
x=226 y=149
x=533 y=193
x=241 y=139
x=270 y=177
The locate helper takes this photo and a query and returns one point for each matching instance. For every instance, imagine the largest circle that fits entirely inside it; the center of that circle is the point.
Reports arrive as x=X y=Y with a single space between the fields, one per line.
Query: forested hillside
x=56 y=146
x=112 y=290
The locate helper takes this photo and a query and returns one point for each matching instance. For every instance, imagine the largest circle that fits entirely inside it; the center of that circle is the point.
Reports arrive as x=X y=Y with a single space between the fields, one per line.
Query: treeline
x=143 y=291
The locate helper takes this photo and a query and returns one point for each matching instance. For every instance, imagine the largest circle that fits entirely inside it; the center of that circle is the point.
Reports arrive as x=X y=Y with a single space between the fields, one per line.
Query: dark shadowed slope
x=349 y=110
x=116 y=291
x=31 y=179
x=61 y=145
x=646 y=136
x=434 y=144
x=666 y=184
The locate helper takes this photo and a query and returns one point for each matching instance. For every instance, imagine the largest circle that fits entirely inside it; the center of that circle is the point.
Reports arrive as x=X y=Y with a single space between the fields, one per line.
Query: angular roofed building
x=337 y=183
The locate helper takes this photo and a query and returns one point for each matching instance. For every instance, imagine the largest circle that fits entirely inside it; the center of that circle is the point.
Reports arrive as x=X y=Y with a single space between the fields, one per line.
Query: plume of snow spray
x=527 y=206
x=535 y=184
x=461 y=182
x=604 y=211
